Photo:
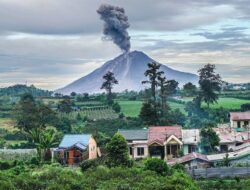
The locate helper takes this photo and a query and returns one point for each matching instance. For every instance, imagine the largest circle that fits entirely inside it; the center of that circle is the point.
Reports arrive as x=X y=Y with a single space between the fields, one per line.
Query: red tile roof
x=239 y=116
x=160 y=133
x=188 y=157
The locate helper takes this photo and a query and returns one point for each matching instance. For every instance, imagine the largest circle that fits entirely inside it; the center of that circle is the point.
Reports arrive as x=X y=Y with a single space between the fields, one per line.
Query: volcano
x=128 y=69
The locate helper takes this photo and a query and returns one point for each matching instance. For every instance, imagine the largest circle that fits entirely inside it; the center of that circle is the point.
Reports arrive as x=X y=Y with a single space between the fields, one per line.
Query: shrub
x=157 y=165
x=86 y=164
x=5 y=165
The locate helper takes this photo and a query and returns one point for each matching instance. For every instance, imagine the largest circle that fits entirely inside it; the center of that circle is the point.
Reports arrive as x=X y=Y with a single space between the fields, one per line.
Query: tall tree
x=210 y=84
x=209 y=139
x=32 y=117
x=153 y=73
x=109 y=82
x=189 y=89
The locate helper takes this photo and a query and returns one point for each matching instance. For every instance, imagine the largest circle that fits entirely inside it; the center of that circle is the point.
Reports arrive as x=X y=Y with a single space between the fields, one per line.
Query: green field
x=230 y=103
x=132 y=108
x=7 y=123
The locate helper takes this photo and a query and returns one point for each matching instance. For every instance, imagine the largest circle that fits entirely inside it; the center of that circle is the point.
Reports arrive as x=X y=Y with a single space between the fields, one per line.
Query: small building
x=190 y=139
x=240 y=120
x=137 y=142
x=75 y=148
x=192 y=161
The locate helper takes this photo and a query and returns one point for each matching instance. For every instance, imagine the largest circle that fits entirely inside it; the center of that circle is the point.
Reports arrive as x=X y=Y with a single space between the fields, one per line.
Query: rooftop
x=240 y=116
x=71 y=140
x=135 y=134
x=161 y=133
x=190 y=136
x=188 y=157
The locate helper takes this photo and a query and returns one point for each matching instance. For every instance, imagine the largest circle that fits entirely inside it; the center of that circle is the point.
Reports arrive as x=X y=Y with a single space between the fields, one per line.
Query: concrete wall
x=92 y=148
x=138 y=144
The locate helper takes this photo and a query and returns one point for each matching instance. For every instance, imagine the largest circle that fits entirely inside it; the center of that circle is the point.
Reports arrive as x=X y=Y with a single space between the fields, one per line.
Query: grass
x=132 y=108
x=230 y=103
x=7 y=123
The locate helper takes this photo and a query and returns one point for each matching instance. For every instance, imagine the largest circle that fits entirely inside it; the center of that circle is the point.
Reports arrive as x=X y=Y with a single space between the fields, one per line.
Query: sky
x=50 y=43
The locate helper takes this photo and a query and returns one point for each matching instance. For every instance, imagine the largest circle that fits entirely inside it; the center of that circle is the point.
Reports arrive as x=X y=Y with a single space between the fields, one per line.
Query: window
x=191 y=148
x=130 y=151
x=246 y=123
x=238 y=124
x=140 y=151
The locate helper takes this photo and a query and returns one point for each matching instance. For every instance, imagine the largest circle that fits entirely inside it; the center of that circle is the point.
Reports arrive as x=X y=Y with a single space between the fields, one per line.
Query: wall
x=92 y=148
x=135 y=145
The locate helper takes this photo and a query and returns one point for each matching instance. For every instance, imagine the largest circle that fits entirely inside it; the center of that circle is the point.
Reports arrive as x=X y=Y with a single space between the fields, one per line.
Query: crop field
x=94 y=114
x=7 y=123
x=230 y=103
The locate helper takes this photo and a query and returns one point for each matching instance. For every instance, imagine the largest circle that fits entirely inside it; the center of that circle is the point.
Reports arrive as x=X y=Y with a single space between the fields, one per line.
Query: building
x=137 y=142
x=192 y=161
x=163 y=142
x=75 y=148
x=240 y=121
x=191 y=140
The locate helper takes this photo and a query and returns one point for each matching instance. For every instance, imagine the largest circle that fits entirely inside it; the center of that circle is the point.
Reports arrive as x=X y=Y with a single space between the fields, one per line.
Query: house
x=191 y=140
x=192 y=161
x=240 y=121
x=239 y=156
x=137 y=142
x=75 y=148
x=230 y=139
x=164 y=141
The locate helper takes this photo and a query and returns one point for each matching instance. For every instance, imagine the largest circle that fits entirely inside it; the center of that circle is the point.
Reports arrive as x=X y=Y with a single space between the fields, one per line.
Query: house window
x=140 y=151
x=246 y=123
x=191 y=148
x=130 y=151
x=238 y=124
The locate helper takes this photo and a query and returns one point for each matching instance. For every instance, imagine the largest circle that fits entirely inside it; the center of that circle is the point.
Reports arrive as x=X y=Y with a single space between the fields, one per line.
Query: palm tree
x=108 y=84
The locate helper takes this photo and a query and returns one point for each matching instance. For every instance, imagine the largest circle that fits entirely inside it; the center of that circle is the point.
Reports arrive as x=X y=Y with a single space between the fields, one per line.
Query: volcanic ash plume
x=115 y=25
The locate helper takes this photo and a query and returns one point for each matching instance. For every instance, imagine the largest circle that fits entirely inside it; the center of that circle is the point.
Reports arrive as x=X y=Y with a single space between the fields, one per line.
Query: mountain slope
x=129 y=70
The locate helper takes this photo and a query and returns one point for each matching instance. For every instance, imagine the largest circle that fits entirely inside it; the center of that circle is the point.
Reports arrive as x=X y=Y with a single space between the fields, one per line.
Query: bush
x=86 y=164
x=5 y=165
x=157 y=165
x=34 y=161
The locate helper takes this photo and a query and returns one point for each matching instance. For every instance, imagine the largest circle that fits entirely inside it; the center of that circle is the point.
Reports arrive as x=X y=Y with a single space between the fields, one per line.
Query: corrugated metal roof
x=240 y=116
x=137 y=134
x=70 y=140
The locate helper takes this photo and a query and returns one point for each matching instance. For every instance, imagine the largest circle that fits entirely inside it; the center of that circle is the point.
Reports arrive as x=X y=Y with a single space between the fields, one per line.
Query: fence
x=220 y=172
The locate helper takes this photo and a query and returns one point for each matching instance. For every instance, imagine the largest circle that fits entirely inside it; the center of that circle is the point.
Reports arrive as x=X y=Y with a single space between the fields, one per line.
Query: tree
x=209 y=139
x=189 y=89
x=245 y=107
x=117 y=150
x=153 y=73
x=148 y=114
x=65 y=105
x=116 y=107
x=210 y=84
x=47 y=140
x=73 y=94
x=109 y=82
x=32 y=118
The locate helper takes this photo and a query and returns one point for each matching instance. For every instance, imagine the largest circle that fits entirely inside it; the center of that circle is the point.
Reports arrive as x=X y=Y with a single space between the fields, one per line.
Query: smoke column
x=115 y=25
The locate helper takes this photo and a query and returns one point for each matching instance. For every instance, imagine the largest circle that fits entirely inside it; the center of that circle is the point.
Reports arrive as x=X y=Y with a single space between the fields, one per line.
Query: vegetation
x=210 y=84
x=109 y=82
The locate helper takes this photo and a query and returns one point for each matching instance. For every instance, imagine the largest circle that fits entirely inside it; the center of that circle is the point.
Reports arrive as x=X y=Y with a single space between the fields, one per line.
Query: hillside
x=129 y=70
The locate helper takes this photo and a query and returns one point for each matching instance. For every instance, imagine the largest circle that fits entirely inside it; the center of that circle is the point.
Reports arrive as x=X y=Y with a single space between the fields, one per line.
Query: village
x=165 y=142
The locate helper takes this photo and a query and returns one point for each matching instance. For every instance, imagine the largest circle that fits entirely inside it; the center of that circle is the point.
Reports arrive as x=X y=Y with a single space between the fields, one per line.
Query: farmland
x=132 y=108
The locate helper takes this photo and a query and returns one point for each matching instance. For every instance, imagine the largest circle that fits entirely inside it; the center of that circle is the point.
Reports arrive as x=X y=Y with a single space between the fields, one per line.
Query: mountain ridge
x=129 y=70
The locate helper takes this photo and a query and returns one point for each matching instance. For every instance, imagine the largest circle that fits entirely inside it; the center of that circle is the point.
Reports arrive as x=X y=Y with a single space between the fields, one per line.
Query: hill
x=129 y=69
